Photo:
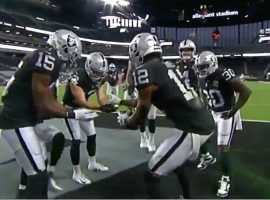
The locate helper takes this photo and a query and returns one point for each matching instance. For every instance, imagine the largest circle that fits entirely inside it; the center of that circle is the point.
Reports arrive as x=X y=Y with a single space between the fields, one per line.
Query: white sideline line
x=254 y=120
x=162 y=115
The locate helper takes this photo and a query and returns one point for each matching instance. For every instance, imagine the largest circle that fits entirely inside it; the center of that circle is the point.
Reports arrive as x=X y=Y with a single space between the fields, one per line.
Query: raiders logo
x=71 y=41
x=133 y=48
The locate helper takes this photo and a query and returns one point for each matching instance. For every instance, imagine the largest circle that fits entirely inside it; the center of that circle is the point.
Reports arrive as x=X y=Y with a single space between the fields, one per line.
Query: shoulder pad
x=228 y=74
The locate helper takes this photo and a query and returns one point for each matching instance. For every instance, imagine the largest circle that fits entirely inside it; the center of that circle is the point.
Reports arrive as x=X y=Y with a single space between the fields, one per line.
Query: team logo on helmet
x=71 y=41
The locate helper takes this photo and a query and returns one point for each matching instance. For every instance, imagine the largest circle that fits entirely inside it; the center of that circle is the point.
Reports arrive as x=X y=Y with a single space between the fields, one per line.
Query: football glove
x=82 y=114
x=113 y=99
x=122 y=118
x=108 y=108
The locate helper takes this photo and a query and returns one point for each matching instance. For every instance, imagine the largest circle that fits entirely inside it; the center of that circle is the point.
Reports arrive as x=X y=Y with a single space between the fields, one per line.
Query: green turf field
x=257 y=108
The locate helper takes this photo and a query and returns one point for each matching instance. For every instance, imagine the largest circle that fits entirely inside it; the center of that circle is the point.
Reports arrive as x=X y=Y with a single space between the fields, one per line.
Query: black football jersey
x=19 y=107
x=189 y=74
x=219 y=93
x=180 y=103
x=80 y=78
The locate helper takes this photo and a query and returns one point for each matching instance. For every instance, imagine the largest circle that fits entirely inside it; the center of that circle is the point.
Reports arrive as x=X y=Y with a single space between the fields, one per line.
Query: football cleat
x=151 y=144
x=80 y=178
x=205 y=162
x=224 y=187
x=94 y=166
x=143 y=142
x=53 y=185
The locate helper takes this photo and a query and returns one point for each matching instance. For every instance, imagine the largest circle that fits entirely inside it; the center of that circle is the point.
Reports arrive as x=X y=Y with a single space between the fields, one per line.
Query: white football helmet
x=206 y=63
x=96 y=66
x=142 y=45
x=112 y=68
x=67 y=45
x=187 y=50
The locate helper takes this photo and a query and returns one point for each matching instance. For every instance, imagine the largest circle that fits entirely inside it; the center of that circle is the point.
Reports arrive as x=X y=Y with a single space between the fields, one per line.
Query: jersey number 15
x=46 y=62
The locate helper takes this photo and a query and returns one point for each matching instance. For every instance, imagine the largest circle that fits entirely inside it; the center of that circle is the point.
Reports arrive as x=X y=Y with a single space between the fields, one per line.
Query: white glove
x=113 y=99
x=84 y=114
x=121 y=118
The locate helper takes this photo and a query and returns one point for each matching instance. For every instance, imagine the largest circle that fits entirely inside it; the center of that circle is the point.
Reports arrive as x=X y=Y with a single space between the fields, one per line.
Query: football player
x=46 y=134
x=187 y=50
x=220 y=88
x=28 y=98
x=147 y=140
x=82 y=84
x=112 y=87
x=164 y=87
x=186 y=65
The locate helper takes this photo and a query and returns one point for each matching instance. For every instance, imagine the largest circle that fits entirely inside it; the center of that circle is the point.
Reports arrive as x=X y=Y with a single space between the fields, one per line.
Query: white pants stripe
x=76 y=127
x=226 y=127
x=26 y=148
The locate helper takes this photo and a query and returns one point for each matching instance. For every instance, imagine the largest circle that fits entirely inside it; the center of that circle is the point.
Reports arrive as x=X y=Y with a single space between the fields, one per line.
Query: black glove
x=108 y=108
x=229 y=114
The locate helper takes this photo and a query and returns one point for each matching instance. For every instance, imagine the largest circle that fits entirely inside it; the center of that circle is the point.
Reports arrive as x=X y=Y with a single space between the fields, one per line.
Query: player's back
x=180 y=103
x=19 y=106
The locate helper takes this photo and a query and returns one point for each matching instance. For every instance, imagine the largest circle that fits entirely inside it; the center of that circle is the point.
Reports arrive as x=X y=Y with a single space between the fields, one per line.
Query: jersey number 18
x=188 y=93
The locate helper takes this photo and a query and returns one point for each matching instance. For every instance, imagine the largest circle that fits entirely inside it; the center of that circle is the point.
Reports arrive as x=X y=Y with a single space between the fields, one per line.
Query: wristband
x=71 y=114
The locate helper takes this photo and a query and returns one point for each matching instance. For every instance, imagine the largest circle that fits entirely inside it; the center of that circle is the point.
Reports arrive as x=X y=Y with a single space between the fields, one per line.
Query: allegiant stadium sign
x=215 y=14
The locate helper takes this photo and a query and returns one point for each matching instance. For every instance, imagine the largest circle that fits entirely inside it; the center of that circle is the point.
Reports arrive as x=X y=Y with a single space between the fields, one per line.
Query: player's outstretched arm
x=79 y=98
x=45 y=102
x=143 y=105
x=47 y=105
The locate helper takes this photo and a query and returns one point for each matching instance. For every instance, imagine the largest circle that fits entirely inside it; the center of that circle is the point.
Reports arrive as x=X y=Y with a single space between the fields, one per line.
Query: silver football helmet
x=206 y=63
x=142 y=45
x=67 y=45
x=112 y=68
x=96 y=66
x=187 y=50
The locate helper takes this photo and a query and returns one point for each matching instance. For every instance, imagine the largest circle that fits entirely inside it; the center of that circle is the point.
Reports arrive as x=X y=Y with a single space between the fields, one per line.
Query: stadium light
x=123 y=3
x=10 y=47
x=17 y=26
x=256 y=54
x=39 y=18
x=7 y=24
x=76 y=27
